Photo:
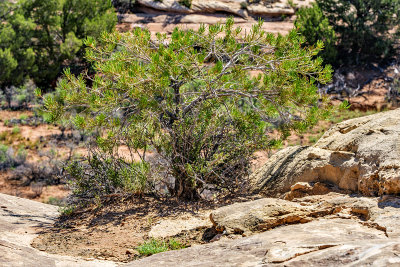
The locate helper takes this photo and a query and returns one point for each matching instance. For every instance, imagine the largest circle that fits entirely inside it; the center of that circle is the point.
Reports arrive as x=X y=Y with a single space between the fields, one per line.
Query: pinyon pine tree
x=203 y=100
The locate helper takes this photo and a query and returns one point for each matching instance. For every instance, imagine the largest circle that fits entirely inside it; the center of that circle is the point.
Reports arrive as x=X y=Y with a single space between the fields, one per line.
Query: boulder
x=264 y=214
x=359 y=155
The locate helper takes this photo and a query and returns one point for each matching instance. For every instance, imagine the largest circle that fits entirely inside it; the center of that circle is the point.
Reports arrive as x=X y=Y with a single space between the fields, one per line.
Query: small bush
x=191 y=99
x=154 y=246
x=186 y=3
x=16 y=130
x=55 y=201
x=11 y=159
x=67 y=210
x=45 y=172
x=23 y=117
x=101 y=175
x=314 y=26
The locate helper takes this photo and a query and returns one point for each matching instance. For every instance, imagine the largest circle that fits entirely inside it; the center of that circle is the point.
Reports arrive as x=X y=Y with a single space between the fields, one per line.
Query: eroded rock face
x=267 y=213
x=234 y=7
x=360 y=232
x=359 y=155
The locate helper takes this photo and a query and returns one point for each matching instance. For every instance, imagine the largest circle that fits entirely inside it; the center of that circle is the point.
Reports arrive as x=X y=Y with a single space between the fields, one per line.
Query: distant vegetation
x=38 y=38
x=356 y=31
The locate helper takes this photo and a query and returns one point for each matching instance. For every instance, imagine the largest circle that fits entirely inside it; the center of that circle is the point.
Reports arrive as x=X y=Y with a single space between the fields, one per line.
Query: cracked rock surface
x=360 y=155
x=338 y=230
x=322 y=230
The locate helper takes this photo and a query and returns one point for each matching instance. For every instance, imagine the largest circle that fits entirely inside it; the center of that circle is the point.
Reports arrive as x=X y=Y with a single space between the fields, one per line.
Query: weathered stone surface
x=266 y=213
x=302 y=189
x=235 y=7
x=360 y=155
x=20 y=219
x=361 y=232
x=166 y=23
x=171 y=227
x=318 y=243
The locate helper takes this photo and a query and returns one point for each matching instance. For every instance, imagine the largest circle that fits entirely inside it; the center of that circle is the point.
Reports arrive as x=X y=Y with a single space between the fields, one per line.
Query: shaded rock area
x=359 y=155
x=337 y=230
x=241 y=8
x=20 y=221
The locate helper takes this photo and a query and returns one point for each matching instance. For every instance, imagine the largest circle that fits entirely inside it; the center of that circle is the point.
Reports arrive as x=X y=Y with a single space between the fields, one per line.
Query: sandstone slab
x=20 y=220
x=318 y=243
x=361 y=232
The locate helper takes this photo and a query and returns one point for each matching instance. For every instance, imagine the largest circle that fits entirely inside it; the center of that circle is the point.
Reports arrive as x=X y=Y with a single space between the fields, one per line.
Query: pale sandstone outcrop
x=235 y=7
x=360 y=155
x=20 y=220
x=360 y=231
x=342 y=230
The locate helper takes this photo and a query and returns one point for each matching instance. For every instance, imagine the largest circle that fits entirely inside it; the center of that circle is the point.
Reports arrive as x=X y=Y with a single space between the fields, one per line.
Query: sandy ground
x=114 y=230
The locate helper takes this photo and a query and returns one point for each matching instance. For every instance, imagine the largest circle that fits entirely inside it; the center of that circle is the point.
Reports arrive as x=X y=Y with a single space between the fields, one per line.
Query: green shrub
x=55 y=201
x=101 y=175
x=367 y=29
x=314 y=26
x=3 y=154
x=192 y=99
x=155 y=246
x=16 y=130
x=40 y=37
x=23 y=117
x=186 y=3
x=11 y=159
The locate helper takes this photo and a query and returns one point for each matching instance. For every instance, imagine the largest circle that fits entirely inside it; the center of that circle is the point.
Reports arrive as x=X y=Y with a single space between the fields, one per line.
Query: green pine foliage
x=314 y=26
x=366 y=30
x=204 y=101
x=40 y=37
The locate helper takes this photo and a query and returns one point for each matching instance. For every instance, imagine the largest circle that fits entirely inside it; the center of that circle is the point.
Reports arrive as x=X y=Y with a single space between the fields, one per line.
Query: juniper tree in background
x=40 y=37
x=367 y=29
x=203 y=100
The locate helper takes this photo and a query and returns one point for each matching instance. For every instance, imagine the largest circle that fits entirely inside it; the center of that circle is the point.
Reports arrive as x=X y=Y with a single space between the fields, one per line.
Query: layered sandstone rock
x=234 y=7
x=360 y=155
